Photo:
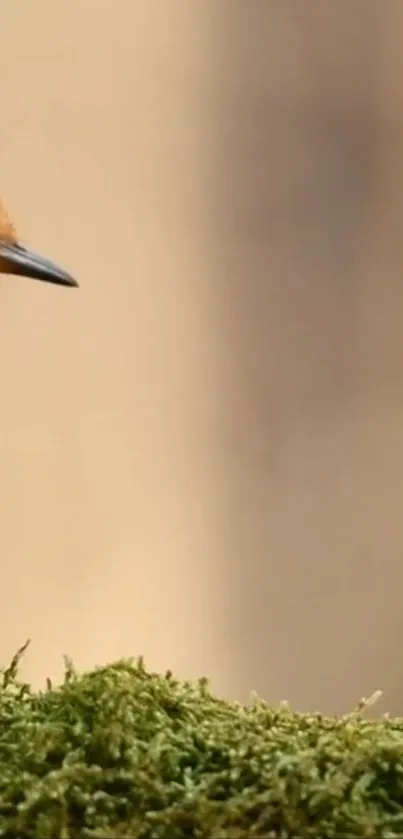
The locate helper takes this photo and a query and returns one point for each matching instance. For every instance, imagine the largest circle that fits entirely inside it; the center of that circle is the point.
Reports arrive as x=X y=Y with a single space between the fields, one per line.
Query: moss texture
x=121 y=752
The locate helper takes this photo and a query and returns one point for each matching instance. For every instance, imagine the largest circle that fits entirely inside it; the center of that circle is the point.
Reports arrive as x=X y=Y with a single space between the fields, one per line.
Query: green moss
x=121 y=752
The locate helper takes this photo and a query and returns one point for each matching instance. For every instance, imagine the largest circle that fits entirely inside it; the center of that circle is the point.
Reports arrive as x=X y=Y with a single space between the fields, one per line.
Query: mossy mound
x=120 y=752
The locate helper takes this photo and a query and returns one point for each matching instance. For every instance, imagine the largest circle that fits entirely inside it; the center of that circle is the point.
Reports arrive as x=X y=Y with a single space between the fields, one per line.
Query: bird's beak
x=15 y=259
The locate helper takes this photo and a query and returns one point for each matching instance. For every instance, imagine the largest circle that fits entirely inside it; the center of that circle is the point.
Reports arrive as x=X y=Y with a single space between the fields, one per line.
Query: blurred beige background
x=202 y=448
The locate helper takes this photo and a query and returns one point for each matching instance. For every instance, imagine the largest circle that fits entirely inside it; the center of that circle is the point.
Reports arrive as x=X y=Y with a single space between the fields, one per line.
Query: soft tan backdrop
x=202 y=448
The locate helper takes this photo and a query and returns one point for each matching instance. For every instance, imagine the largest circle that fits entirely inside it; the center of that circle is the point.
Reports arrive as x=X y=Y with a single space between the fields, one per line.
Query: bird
x=17 y=259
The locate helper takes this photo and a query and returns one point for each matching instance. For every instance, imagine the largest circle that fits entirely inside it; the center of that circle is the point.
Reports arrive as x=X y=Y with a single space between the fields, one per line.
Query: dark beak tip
x=24 y=262
x=70 y=282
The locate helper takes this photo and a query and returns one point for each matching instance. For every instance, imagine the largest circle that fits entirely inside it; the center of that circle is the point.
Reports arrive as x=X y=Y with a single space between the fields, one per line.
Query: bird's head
x=17 y=259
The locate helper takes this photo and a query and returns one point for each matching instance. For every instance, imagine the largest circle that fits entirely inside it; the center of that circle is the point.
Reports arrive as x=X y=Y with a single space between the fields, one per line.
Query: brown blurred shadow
x=312 y=448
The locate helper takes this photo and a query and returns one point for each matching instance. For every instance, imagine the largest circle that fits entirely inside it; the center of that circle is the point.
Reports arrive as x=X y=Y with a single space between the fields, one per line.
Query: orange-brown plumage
x=19 y=260
x=8 y=232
